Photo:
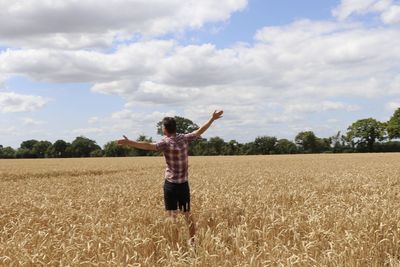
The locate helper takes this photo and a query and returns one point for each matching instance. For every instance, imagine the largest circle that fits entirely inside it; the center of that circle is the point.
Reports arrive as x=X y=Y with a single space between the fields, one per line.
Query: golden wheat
x=303 y=210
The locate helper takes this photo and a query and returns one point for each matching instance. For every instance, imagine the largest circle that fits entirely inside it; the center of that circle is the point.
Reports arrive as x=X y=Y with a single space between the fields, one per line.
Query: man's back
x=176 y=152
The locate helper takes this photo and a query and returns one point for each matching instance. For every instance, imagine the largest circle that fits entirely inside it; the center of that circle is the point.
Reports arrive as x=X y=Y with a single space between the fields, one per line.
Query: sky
x=103 y=69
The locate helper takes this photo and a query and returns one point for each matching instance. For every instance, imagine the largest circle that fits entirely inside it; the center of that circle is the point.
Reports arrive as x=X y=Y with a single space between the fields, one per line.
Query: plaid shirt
x=175 y=149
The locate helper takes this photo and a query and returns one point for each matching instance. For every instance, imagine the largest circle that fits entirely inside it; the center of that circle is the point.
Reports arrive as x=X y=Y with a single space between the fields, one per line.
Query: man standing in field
x=175 y=148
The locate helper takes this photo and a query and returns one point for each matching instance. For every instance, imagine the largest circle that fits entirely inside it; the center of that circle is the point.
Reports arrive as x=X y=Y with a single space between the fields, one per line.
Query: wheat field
x=301 y=210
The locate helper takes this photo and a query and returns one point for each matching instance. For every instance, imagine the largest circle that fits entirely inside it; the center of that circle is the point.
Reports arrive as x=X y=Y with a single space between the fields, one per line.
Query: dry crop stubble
x=302 y=210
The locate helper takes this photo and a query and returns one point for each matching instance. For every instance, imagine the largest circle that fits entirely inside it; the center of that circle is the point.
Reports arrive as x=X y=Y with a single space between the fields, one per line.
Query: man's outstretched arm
x=136 y=144
x=215 y=116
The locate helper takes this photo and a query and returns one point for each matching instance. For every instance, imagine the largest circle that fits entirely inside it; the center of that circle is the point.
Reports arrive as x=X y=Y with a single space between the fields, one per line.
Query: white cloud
x=3 y=78
x=393 y=105
x=88 y=131
x=32 y=122
x=11 y=102
x=7 y=131
x=71 y=24
x=129 y=118
x=349 y=7
x=301 y=59
x=333 y=120
x=260 y=84
x=93 y=120
x=302 y=107
x=393 y=87
x=388 y=9
x=391 y=15
x=136 y=60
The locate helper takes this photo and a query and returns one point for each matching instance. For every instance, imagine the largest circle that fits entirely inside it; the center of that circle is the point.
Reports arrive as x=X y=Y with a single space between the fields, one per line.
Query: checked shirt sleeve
x=190 y=137
x=161 y=145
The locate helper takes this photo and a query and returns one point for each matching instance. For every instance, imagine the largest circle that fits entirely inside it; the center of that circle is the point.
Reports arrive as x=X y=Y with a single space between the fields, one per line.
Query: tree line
x=365 y=135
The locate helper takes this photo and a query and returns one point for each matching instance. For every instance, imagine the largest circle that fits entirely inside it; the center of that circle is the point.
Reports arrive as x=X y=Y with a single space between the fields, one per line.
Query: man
x=175 y=148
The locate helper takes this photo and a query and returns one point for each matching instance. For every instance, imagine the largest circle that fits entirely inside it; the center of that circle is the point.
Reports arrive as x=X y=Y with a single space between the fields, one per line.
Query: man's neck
x=170 y=135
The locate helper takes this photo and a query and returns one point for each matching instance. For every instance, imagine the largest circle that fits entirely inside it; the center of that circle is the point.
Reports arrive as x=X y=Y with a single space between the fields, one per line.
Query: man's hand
x=124 y=142
x=217 y=115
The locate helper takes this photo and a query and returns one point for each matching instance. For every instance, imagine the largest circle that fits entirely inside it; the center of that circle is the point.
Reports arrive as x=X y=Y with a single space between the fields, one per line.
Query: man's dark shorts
x=177 y=196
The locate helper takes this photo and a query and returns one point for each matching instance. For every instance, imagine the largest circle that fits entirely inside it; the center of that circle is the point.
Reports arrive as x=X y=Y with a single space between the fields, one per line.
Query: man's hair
x=169 y=124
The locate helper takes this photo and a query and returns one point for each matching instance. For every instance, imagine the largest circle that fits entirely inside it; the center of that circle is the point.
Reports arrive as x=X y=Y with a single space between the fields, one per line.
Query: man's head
x=169 y=126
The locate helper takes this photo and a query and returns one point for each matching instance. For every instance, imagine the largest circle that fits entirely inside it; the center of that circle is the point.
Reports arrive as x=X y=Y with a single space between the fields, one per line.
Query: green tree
x=40 y=149
x=69 y=152
x=323 y=145
x=216 y=146
x=82 y=146
x=337 y=143
x=58 y=149
x=96 y=153
x=264 y=145
x=23 y=153
x=199 y=147
x=248 y=149
x=28 y=144
x=112 y=149
x=284 y=146
x=232 y=148
x=307 y=141
x=7 y=152
x=393 y=125
x=26 y=149
x=391 y=146
x=364 y=133
x=183 y=126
